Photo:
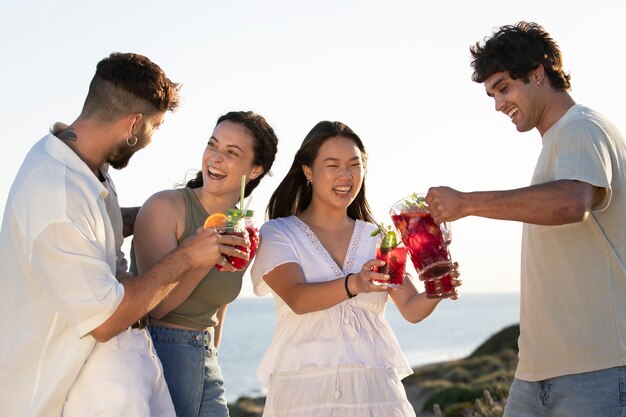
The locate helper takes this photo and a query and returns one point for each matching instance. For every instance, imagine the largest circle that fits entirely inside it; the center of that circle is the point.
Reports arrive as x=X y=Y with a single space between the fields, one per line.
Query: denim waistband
x=192 y=337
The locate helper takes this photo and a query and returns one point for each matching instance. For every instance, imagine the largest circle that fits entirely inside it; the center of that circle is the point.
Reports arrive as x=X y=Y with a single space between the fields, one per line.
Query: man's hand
x=445 y=204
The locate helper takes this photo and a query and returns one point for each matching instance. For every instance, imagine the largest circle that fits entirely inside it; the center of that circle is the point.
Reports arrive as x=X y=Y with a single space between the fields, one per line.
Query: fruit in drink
x=440 y=287
x=232 y=224
x=425 y=242
x=253 y=236
x=215 y=220
x=394 y=257
x=395 y=266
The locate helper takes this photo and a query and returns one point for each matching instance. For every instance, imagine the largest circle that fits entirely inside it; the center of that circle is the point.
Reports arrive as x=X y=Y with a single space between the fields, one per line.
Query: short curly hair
x=519 y=49
x=126 y=83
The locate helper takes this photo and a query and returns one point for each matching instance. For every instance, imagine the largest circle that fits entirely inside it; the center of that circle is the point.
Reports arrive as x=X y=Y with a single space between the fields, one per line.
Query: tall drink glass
x=427 y=243
x=395 y=264
x=236 y=225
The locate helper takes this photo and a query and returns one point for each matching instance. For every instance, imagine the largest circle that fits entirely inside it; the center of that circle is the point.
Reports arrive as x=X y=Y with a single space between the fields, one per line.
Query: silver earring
x=308 y=182
x=132 y=141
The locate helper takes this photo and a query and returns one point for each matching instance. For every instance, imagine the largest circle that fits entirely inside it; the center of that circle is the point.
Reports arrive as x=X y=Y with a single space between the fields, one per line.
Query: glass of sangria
x=235 y=224
x=427 y=243
x=393 y=252
x=253 y=232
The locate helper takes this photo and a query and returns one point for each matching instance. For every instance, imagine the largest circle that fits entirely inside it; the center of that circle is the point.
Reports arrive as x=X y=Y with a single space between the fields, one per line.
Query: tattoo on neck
x=68 y=134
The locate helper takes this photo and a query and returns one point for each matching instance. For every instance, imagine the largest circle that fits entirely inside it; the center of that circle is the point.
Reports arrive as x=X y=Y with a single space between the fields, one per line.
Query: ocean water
x=453 y=331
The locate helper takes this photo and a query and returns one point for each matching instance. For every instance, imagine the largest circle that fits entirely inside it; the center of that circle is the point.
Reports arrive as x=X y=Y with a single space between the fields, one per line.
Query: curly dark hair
x=519 y=49
x=293 y=194
x=265 y=145
x=125 y=83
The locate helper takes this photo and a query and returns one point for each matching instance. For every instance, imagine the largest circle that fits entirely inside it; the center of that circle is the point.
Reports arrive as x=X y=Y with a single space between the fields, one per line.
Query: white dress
x=344 y=360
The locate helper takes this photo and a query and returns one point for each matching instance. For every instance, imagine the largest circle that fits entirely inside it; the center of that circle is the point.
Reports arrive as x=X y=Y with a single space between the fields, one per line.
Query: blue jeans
x=191 y=371
x=590 y=394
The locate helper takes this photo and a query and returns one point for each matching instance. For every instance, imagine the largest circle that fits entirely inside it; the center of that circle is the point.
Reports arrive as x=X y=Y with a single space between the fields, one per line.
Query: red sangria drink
x=395 y=266
x=393 y=253
x=440 y=287
x=235 y=226
x=253 y=233
x=427 y=243
x=253 y=236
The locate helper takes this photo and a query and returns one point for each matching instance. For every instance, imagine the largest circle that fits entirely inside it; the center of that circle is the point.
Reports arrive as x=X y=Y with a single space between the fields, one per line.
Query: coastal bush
x=491 y=404
x=433 y=385
x=247 y=407
x=501 y=376
x=428 y=372
x=457 y=410
x=483 y=365
x=457 y=374
x=509 y=358
x=453 y=395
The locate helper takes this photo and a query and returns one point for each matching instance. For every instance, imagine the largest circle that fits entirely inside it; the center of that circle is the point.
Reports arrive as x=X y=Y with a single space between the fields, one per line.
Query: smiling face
x=522 y=102
x=336 y=174
x=228 y=156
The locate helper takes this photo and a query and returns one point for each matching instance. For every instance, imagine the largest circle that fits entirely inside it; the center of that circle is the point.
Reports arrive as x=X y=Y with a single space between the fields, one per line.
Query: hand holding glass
x=427 y=243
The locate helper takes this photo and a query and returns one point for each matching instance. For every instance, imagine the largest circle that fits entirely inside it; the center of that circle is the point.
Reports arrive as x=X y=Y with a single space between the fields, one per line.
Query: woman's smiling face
x=337 y=172
x=228 y=155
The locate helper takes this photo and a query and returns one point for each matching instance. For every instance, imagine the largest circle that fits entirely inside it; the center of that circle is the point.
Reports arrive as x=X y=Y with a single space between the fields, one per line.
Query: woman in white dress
x=333 y=352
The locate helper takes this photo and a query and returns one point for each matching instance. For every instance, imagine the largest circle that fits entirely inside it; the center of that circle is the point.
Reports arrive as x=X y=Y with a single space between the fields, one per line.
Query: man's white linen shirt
x=57 y=270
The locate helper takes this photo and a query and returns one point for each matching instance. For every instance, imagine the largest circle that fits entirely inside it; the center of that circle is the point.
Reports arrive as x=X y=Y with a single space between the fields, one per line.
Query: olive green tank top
x=199 y=310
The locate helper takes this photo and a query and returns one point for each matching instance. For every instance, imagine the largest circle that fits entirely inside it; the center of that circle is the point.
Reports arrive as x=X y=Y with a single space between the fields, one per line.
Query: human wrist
x=349 y=293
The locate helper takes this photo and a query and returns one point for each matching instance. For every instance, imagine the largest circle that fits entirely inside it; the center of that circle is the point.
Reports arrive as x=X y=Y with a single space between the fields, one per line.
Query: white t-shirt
x=354 y=332
x=573 y=288
x=57 y=276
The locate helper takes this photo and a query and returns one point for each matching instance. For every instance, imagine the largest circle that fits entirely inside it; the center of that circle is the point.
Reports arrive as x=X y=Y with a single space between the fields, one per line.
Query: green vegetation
x=476 y=386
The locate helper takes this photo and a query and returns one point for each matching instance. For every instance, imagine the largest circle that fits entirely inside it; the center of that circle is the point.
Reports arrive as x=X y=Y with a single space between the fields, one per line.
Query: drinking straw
x=243 y=189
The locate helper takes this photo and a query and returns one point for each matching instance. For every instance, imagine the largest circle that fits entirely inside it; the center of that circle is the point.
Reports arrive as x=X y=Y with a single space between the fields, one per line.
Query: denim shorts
x=191 y=371
x=589 y=394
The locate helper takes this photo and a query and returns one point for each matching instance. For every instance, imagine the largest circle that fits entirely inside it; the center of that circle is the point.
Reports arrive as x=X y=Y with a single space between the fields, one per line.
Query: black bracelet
x=345 y=284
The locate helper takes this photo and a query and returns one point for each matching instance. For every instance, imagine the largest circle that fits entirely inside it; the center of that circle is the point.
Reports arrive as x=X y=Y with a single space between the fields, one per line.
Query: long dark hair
x=293 y=194
x=265 y=145
x=519 y=49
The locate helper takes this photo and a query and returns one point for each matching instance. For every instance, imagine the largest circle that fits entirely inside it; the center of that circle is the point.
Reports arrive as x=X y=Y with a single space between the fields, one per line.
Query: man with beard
x=73 y=339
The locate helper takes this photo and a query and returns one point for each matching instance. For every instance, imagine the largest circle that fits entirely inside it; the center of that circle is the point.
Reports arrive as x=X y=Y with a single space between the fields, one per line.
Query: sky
x=397 y=72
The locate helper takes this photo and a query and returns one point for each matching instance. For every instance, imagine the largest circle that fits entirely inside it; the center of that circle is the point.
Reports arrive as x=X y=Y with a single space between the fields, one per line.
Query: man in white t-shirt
x=572 y=345
x=73 y=342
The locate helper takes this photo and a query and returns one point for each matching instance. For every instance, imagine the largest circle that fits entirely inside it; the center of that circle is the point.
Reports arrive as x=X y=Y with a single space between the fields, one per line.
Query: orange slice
x=215 y=220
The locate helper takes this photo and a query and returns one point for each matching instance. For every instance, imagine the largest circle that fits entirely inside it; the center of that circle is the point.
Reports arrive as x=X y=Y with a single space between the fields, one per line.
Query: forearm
x=416 y=307
x=303 y=297
x=310 y=297
x=143 y=293
x=413 y=306
x=545 y=204
x=553 y=203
